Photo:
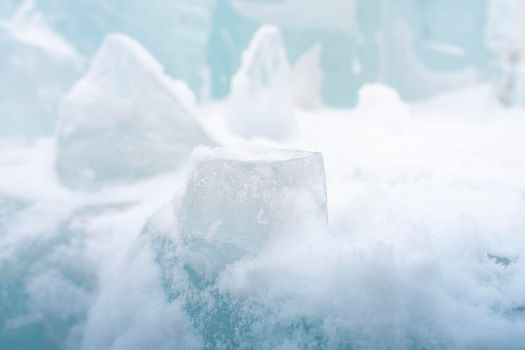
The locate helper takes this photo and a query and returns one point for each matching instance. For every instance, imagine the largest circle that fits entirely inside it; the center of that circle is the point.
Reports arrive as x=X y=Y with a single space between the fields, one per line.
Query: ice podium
x=237 y=202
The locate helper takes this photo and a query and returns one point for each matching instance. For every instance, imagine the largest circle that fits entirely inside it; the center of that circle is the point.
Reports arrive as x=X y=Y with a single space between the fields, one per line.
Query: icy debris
x=261 y=101
x=237 y=201
x=125 y=119
x=307 y=78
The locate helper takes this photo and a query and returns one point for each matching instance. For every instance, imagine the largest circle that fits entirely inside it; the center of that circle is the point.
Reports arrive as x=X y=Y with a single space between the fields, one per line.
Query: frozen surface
x=238 y=202
x=261 y=101
x=125 y=119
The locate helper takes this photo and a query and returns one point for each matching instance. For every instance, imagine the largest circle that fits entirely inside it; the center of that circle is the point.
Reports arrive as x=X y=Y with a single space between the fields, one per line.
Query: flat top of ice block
x=249 y=154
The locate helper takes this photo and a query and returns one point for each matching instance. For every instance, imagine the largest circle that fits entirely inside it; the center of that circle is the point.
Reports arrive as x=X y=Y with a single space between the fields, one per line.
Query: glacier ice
x=307 y=78
x=237 y=201
x=125 y=119
x=37 y=67
x=261 y=100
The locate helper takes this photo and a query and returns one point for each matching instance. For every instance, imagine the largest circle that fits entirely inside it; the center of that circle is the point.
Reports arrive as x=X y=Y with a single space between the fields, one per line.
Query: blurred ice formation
x=418 y=47
x=434 y=43
x=261 y=101
x=37 y=66
x=506 y=40
x=307 y=78
x=125 y=119
x=175 y=32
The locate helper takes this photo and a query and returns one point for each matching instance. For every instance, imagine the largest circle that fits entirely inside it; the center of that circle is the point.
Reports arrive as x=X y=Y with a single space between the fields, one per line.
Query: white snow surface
x=425 y=247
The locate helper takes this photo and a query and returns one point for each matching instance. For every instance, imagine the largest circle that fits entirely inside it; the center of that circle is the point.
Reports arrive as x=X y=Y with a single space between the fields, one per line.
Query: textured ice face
x=261 y=101
x=125 y=119
x=237 y=201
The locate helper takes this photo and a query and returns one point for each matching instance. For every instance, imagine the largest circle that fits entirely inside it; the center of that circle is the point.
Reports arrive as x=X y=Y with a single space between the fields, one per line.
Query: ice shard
x=125 y=119
x=261 y=100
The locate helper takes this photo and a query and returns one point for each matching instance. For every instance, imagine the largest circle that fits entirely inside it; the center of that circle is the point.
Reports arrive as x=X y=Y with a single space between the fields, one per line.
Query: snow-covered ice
x=125 y=119
x=239 y=201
